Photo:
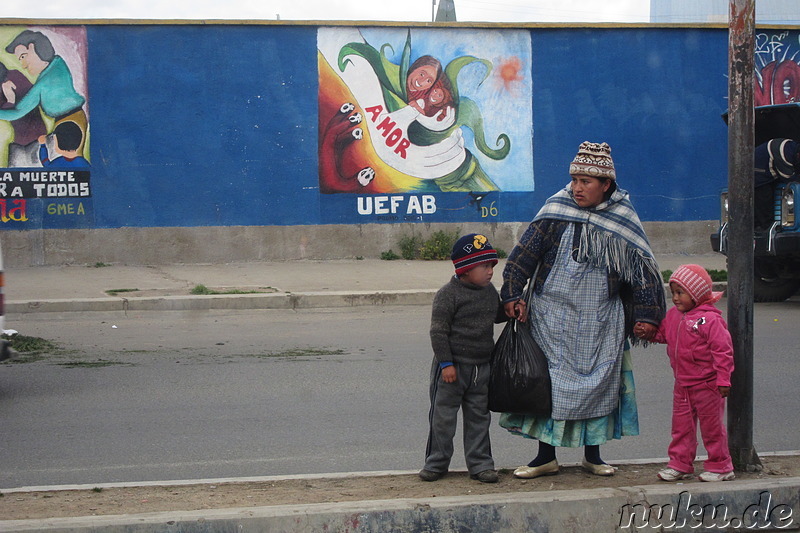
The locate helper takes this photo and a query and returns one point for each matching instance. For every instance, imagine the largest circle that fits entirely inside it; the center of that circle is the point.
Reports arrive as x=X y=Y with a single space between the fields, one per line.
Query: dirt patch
x=135 y=500
x=188 y=291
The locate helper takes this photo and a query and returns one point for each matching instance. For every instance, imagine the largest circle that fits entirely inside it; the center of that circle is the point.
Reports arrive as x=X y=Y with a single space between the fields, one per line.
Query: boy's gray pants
x=470 y=392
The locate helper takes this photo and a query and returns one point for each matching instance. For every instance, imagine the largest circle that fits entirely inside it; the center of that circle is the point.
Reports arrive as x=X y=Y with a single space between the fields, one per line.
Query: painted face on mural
x=365 y=176
x=421 y=78
x=29 y=59
x=22 y=53
x=437 y=95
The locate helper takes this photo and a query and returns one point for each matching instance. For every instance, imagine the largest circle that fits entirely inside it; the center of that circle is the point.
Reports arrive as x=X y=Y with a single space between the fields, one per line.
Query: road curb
x=287 y=300
x=665 y=506
x=296 y=300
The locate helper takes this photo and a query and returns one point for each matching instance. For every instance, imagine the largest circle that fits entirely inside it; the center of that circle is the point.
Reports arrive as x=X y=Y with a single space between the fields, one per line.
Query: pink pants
x=704 y=404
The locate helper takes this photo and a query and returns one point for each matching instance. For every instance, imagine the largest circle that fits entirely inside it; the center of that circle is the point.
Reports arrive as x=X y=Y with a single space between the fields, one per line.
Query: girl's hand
x=724 y=391
x=449 y=374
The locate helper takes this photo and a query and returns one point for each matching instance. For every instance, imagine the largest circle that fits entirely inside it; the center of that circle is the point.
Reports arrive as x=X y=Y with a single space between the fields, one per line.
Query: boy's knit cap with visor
x=471 y=250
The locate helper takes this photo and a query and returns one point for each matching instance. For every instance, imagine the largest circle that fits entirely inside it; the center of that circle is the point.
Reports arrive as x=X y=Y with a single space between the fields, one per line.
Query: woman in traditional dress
x=594 y=277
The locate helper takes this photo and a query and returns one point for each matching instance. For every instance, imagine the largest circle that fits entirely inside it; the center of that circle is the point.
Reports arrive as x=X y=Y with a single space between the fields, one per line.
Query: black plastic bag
x=519 y=380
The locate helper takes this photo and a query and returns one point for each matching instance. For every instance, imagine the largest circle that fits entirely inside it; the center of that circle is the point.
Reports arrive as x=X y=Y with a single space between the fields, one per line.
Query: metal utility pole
x=446 y=11
x=741 y=136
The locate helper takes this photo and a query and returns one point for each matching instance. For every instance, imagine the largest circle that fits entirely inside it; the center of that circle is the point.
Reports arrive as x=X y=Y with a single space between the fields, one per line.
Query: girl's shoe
x=717 y=476
x=670 y=474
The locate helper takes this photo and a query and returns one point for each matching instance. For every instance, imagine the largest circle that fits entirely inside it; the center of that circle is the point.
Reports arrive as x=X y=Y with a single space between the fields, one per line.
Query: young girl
x=701 y=355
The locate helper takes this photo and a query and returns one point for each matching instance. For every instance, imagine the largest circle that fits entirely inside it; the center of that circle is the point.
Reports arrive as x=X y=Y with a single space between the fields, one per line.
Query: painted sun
x=508 y=72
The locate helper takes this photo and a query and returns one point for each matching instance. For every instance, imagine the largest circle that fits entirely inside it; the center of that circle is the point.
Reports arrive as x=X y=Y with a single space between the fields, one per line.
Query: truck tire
x=768 y=286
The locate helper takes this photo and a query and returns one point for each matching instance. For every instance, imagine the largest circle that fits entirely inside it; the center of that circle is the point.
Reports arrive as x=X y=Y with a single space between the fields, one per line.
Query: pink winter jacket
x=698 y=344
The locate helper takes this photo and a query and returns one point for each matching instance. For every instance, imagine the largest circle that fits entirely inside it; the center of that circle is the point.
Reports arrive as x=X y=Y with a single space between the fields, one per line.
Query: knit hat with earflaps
x=593 y=160
x=472 y=250
x=696 y=282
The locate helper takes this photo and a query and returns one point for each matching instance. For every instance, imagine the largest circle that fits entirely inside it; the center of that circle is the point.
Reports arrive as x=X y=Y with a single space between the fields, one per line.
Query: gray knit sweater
x=462 y=322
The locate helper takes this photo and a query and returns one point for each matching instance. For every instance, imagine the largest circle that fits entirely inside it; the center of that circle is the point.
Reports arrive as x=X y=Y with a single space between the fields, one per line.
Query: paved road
x=192 y=395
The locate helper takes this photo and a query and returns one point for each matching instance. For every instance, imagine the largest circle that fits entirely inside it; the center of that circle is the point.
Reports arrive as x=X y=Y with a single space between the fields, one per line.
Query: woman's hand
x=645 y=330
x=517 y=309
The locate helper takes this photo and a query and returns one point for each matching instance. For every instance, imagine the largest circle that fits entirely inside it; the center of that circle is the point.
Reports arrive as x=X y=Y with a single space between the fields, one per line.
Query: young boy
x=462 y=337
x=701 y=354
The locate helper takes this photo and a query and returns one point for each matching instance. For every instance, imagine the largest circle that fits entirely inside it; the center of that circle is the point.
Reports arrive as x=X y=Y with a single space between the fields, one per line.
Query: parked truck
x=776 y=274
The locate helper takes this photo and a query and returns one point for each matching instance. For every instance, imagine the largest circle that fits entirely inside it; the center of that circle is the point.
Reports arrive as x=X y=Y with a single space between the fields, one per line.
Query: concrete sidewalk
x=276 y=285
x=767 y=502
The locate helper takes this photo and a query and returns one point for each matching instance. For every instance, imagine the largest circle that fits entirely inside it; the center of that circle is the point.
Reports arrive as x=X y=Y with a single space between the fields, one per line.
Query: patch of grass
x=303 y=352
x=30 y=345
x=203 y=290
x=99 y=363
x=114 y=292
x=99 y=264
x=409 y=247
x=439 y=246
x=389 y=256
x=718 y=275
x=200 y=289
x=97 y=489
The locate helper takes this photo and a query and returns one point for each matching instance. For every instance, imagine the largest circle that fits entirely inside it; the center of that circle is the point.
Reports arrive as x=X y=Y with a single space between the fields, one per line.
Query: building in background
x=682 y=11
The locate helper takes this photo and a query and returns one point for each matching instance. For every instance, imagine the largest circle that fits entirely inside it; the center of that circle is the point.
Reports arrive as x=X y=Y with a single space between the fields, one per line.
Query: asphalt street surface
x=210 y=394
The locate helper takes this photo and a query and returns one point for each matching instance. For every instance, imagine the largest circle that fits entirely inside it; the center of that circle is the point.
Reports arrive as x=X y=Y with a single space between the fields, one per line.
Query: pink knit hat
x=696 y=282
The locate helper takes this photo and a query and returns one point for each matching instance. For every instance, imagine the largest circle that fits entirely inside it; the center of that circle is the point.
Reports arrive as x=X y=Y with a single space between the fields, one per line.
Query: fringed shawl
x=612 y=238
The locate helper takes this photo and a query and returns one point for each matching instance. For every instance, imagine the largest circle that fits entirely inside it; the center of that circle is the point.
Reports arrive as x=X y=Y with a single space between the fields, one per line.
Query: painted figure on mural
x=430 y=93
x=67 y=139
x=52 y=92
x=15 y=86
x=412 y=114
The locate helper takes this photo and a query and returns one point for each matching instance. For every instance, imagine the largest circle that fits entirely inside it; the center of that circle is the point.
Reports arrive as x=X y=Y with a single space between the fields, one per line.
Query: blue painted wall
x=216 y=125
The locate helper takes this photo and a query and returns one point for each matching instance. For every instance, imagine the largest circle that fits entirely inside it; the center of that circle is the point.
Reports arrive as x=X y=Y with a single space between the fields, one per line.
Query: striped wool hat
x=472 y=250
x=593 y=160
x=696 y=282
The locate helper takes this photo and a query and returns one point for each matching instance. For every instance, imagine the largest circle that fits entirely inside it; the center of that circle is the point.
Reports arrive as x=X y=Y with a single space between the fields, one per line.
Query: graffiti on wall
x=777 y=65
x=44 y=125
x=423 y=112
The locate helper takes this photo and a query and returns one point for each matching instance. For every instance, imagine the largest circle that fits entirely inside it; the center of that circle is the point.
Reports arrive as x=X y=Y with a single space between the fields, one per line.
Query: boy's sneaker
x=429 y=475
x=717 y=476
x=487 y=476
x=670 y=474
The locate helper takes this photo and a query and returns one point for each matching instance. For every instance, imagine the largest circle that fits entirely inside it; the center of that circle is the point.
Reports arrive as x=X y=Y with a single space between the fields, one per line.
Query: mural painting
x=44 y=126
x=407 y=114
x=777 y=67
